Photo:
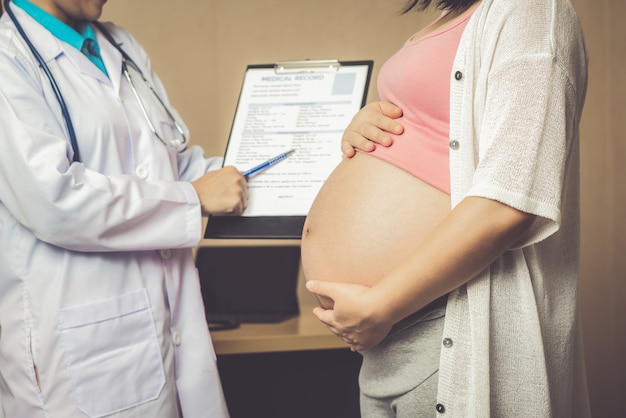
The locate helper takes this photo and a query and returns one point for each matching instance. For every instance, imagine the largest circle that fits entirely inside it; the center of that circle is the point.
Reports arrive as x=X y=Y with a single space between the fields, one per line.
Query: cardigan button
x=440 y=408
x=447 y=342
x=458 y=75
x=454 y=144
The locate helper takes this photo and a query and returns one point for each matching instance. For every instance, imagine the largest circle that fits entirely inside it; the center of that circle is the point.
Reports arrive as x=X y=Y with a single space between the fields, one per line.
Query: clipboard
x=289 y=105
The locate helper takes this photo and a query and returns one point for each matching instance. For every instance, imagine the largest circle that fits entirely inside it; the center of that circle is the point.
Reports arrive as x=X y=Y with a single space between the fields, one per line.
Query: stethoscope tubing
x=53 y=83
x=126 y=58
x=59 y=96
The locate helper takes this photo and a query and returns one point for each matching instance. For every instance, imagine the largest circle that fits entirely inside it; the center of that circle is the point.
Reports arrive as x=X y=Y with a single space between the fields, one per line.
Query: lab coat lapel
x=82 y=63
x=50 y=48
x=112 y=60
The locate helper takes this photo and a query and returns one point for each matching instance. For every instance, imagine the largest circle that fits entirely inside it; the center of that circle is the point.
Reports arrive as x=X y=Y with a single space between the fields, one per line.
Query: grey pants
x=398 y=377
x=416 y=403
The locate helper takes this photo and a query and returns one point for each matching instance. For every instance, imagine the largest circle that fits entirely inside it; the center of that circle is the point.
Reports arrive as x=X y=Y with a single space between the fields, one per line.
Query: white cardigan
x=512 y=344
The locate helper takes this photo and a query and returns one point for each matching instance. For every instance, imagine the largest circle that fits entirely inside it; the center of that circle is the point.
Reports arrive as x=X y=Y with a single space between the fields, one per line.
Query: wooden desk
x=295 y=368
x=304 y=332
x=292 y=369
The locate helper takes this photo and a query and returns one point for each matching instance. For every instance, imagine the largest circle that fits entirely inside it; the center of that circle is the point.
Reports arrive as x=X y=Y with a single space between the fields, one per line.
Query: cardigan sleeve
x=521 y=104
x=525 y=139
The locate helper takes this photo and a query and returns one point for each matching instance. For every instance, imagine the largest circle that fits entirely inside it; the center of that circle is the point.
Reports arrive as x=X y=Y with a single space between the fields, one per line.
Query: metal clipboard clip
x=307 y=66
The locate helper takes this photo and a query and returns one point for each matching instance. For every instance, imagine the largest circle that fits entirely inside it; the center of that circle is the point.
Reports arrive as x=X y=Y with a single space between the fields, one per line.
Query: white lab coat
x=98 y=287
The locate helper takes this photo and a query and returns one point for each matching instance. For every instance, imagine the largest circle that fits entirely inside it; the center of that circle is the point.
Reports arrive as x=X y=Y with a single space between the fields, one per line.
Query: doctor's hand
x=349 y=314
x=371 y=126
x=222 y=192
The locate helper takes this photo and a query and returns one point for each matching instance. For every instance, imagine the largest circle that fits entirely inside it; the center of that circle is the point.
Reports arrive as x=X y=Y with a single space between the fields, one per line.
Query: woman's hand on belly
x=372 y=124
x=349 y=315
x=368 y=217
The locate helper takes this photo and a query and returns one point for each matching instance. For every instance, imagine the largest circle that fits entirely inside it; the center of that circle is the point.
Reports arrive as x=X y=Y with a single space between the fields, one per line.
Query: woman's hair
x=457 y=5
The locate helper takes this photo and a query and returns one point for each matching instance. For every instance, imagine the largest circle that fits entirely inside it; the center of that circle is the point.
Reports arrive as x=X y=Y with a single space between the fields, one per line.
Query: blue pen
x=267 y=163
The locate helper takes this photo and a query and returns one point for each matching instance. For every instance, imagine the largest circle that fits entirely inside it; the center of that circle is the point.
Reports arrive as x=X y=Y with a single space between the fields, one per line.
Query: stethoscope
x=126 y=60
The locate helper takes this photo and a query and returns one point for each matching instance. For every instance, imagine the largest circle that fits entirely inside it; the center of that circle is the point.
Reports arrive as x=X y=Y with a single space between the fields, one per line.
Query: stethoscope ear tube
x=55 y=87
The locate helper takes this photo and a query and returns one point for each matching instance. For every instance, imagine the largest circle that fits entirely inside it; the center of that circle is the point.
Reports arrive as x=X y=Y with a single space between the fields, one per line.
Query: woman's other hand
x=222 y=192
x=350 y=315
x=371 y=126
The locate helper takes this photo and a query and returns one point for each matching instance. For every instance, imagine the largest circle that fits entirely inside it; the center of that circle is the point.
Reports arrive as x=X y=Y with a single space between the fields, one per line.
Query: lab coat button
x=176 y=338
x=447 y=342
x=165 y=254
x=454 y=144
x=142 y=172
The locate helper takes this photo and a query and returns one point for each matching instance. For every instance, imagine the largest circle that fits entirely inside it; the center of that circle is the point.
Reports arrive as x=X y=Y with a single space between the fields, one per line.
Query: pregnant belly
x=367 y=218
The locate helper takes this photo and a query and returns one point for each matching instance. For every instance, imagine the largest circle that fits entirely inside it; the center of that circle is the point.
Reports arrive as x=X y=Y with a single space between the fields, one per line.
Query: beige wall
x=201 y=47
x=603 y=193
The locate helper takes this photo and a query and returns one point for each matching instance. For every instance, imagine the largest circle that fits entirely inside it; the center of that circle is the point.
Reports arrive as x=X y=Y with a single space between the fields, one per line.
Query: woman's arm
x=371 y=126
x=475 y=233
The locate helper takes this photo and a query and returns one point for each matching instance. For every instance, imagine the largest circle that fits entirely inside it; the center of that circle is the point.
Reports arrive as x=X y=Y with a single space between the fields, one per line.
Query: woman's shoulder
x=531 y=14
x=522 y=28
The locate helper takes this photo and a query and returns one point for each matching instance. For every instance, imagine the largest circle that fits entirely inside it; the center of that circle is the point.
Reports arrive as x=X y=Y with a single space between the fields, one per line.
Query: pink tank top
x=417 y=78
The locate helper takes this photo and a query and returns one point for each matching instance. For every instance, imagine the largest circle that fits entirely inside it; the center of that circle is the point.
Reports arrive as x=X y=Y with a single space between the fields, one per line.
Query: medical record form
x=296 y=105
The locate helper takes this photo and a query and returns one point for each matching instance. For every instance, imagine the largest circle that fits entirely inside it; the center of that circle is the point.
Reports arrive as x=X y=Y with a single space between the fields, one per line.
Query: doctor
x=100 y=306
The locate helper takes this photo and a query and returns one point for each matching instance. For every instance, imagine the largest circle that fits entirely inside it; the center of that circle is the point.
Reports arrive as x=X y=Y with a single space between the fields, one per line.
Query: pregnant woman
x=449 y=258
